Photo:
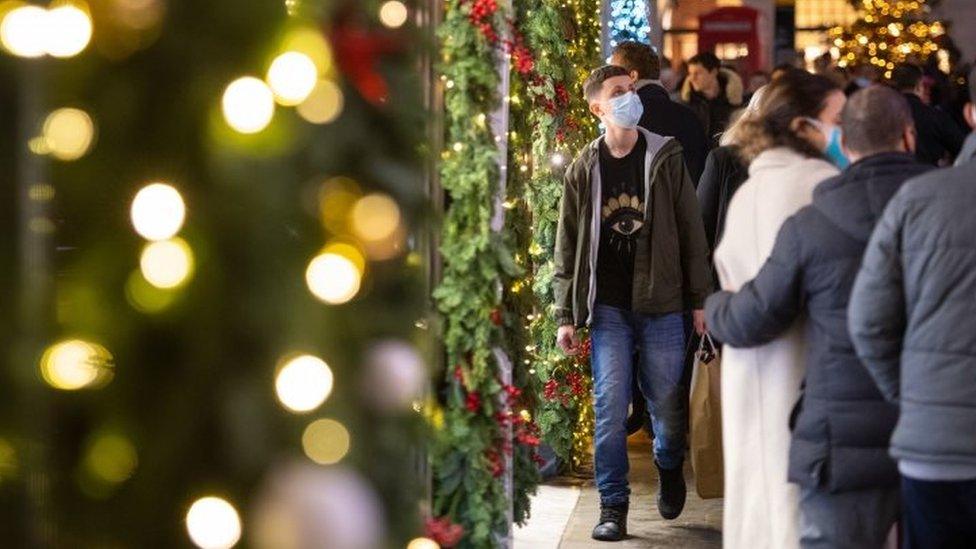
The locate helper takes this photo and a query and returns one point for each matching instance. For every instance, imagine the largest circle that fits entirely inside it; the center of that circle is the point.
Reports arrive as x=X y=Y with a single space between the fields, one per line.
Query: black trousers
x=938 y=514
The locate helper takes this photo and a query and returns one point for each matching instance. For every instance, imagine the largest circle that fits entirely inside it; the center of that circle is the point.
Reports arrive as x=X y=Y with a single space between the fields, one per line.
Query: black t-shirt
x=621 y=216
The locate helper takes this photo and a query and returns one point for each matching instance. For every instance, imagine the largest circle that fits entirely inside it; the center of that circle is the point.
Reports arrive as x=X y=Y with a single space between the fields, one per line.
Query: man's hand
x=698 y=316
x=566 y=339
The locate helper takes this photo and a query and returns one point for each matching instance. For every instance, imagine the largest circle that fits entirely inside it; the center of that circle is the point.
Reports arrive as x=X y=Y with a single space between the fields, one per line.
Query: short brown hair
x=594 y=82
x=874 y=120
x=635 y=56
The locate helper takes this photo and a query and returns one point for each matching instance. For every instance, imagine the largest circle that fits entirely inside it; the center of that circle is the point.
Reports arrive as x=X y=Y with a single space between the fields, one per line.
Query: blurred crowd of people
x=830 y=210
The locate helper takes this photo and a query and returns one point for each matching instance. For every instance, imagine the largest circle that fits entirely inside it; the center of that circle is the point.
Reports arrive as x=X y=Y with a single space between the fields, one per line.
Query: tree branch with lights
x=888 y=32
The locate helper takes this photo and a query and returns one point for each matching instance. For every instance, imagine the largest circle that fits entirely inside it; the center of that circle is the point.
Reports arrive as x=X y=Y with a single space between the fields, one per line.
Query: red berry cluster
x=496 y=317
x=537 y=459
x=444 y=532
x=496 y=465
x=585 y=349
x=554 y=105
x=562 y=95
x=522 y=58
x=481 y=12
x=576 y=385
x=527 y=432
x=473 y=402
x=570 y=125
x=551 y=389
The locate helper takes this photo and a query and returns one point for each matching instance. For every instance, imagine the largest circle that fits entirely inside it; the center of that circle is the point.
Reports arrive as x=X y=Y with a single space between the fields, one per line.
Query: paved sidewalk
x=699 y=527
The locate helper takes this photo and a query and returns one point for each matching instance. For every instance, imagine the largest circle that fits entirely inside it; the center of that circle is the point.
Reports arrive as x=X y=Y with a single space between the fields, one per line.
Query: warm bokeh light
x=158 y=211
x=348 y=251
x=311 y=42
x=111 y=458
x=213 y=523
x=333 y=278
x=68 y=134
x=375 y=217
x=336 y=199
x=292 y=77
x=146 y=298
x=9 y=465
x=303 y=383
x=325 y=441
x=324 y=104
x=423 y=543
x=393 y=14
x=23 y=31
x=387 y=248
x=75 y=364
x=69 y=29
x=248 y=105
x=167 y=263
x=137 y=14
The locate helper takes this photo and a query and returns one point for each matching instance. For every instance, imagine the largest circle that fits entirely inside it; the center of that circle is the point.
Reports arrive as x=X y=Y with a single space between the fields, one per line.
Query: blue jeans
x=616 y=333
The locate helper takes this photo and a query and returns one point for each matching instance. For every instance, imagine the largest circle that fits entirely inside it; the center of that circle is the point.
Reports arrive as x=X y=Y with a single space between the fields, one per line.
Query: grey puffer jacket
x=842 y=423
x=968 y=152
x=912 y=312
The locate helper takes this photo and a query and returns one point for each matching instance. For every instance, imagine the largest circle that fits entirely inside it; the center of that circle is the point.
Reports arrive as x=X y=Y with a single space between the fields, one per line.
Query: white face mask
x=625 y=110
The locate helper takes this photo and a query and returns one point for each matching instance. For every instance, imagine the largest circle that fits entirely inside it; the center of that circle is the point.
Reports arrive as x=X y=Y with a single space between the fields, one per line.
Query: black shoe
x=671 y=492
x=613 y=523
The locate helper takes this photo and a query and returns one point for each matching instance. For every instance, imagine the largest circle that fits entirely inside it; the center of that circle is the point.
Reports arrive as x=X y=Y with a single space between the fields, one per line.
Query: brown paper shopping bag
x=705 y=413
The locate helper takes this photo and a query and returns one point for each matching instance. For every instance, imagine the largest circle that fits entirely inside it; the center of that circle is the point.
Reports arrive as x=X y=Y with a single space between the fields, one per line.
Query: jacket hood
x=588 y=157
x=728 y=80
x=968 y=152
x=855 y=199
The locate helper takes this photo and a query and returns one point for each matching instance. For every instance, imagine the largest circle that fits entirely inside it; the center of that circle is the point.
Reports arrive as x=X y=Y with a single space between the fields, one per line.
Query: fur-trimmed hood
x=728 y=80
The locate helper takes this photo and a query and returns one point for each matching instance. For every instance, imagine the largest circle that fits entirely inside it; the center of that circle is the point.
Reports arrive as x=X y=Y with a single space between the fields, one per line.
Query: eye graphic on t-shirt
x=624 y=215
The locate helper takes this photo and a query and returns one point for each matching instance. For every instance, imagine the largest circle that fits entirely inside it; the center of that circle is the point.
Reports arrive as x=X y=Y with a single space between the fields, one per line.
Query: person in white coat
x=786 y=142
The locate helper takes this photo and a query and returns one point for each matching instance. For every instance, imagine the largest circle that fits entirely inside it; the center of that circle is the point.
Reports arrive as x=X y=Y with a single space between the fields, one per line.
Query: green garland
x=470 y=446
x=564 y=409
x=481 y=295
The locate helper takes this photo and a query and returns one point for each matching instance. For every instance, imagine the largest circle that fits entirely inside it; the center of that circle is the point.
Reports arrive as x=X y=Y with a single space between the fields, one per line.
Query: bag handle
x=707 y=349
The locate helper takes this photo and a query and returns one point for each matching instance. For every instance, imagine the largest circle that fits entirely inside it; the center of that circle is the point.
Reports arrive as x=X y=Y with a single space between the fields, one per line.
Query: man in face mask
x=662 y=115
x=631 y=259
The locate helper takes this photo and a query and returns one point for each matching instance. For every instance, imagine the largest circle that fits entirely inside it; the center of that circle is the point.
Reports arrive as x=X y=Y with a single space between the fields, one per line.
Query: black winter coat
x=724 y=173
x=939 y=136
x=672 y=119
x=912 y=311
x=842 y=424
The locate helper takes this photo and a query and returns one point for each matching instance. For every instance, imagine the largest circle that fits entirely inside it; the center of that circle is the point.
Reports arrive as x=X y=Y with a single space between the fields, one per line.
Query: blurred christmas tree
x=628 y=21
x=244 y=363
x=889 y=32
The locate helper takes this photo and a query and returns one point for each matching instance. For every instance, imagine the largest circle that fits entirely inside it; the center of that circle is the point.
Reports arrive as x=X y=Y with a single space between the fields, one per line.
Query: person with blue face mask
x=631 y=259
x=834 y=150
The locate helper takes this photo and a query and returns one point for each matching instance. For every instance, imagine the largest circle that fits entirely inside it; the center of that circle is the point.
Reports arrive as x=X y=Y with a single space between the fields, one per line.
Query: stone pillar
x=767 y=20
x=961 y=14
x=654 y=18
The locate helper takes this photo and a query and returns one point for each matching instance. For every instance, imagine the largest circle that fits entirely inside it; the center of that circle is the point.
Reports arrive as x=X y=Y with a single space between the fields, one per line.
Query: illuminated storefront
x=808 y=22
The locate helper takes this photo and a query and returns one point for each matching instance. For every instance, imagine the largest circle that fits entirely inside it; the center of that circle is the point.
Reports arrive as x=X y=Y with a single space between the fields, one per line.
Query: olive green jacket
x=671 y=271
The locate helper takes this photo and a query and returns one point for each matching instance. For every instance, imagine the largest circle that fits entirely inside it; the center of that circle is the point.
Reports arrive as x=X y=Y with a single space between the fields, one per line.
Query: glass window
x=815 y=14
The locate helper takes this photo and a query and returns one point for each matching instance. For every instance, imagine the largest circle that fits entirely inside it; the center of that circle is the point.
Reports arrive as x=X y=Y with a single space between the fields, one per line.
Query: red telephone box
x=733 y=35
